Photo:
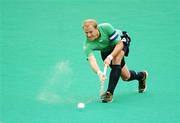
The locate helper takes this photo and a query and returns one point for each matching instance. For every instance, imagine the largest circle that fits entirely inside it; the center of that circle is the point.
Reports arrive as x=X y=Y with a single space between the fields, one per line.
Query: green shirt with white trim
x=109 y=37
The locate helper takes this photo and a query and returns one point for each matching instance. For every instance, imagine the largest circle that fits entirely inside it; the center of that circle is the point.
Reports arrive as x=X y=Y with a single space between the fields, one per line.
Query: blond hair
x=88 y=22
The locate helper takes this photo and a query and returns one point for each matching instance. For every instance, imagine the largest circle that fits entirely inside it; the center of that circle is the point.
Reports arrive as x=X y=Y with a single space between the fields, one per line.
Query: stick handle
x=102 y=82
x=105 y=70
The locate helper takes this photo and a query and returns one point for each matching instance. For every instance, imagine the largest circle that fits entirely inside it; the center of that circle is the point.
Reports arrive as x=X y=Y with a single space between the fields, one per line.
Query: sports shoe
x=142 y=83
x=107 y=97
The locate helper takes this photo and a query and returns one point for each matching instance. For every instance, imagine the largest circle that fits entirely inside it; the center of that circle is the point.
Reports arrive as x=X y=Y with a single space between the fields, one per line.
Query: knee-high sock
x=135 y=76
x=114 y=77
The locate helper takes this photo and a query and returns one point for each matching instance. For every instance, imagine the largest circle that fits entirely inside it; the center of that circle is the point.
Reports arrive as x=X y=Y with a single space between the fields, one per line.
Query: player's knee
x=125 y=78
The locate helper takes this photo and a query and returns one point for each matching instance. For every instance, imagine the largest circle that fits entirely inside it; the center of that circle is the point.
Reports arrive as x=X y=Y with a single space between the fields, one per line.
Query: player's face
x=91 y=32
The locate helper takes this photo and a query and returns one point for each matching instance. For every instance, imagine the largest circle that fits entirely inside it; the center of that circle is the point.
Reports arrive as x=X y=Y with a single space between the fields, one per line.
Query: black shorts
x=105 y=54
x=126 y=42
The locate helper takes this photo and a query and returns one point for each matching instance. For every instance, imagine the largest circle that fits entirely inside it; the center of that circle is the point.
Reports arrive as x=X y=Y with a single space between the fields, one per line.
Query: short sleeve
x=113 y=34
x=87 y=50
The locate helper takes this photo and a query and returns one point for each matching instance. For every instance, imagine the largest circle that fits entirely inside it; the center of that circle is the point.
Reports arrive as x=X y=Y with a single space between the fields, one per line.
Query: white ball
x=81 y=105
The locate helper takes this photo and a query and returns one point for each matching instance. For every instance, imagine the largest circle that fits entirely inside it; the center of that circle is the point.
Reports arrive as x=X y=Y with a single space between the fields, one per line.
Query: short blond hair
x=88 y=22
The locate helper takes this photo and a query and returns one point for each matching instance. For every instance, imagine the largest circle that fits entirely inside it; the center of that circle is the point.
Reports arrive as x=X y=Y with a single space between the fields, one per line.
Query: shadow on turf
x=129 y=97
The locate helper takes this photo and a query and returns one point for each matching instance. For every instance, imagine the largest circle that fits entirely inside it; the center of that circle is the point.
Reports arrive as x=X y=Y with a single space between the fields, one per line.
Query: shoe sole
x=103 y=101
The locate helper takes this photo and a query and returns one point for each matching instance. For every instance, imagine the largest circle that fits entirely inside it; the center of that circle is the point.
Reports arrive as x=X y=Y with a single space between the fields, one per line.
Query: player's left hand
x=108 y=60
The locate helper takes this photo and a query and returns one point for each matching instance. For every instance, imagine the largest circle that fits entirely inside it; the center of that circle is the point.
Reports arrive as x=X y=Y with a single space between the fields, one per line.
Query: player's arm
x=125 y=40
x=119 y=46
x=93 y=63
x=88 y=49
x=95 y=67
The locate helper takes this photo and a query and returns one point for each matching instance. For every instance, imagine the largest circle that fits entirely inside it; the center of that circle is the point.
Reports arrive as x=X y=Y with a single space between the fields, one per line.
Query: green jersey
x=109 y=37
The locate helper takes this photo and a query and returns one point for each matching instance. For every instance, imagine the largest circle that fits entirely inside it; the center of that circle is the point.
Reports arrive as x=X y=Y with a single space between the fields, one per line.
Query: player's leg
x=113 y=77
x=125 y=73
x=115 y=72
x=129 y=75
